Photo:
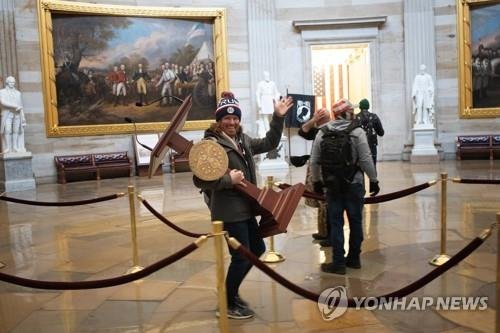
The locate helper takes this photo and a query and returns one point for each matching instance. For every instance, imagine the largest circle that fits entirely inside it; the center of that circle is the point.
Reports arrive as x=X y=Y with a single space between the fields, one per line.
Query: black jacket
x=372 y=125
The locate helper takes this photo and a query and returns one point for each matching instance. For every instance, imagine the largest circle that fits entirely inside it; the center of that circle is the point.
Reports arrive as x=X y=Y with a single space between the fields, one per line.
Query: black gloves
x=318 y=187
x=374 y=189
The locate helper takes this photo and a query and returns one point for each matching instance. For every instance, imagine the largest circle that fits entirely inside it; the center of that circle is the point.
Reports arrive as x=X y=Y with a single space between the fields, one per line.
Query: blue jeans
x=352 y=202
x=247 y=234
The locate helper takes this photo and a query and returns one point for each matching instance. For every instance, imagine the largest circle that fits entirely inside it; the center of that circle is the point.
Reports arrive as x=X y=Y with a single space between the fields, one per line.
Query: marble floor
x=94 y=242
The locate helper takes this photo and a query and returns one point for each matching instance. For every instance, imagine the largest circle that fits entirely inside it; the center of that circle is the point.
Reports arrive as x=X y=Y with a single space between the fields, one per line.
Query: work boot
x=325 y=243
x=353 y=262
x=333 y=268
x=318 y=236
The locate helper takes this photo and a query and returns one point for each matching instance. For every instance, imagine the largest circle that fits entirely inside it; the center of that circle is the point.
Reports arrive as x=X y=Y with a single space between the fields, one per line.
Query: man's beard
x=238 y=129
x=235 y=132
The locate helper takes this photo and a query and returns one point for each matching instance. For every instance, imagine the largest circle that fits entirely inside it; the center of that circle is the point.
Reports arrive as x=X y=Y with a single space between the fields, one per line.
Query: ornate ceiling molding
x=343 y=23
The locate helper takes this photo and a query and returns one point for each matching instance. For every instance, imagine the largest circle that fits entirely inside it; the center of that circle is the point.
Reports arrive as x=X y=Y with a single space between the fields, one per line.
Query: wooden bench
x=477 y=147
x=108 y=163
x=78 y=167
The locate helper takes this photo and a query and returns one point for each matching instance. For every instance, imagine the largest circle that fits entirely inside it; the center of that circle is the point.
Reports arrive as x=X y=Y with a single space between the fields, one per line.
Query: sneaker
x=353 y=263
x=331 y=268
x=325 y=243
x=241 y=302
x=237 y=312
x=319 y=237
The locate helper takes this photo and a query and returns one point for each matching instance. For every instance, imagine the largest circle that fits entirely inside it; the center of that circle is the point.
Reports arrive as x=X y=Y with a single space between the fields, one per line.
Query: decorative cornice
x=374 y=21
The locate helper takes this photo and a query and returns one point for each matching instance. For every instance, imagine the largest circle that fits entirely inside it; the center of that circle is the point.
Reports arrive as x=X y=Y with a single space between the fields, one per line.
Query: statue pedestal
x=16 y=173
x=424 y=150
x=275 y=159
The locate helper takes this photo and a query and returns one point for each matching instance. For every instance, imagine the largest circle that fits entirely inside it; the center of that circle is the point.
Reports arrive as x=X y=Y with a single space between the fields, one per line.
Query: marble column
x=262 y=43
x=419 y=49
x=8 y=53
x=263 y=57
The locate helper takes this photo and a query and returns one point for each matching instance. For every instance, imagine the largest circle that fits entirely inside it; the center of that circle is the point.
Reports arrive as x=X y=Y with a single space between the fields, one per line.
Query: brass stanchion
x=498 y=274
x=441 y=258
x=218 y=233
x=272 y=256
x=133 y=228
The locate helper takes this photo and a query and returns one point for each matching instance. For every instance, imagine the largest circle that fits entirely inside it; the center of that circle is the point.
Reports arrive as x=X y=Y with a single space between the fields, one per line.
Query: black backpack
x=337 y=165
x=366 y=122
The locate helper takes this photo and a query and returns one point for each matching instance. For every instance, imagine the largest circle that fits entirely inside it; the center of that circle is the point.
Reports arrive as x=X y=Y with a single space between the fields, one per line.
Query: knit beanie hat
x=228 y=105
x=341 y=107
x=364 y=104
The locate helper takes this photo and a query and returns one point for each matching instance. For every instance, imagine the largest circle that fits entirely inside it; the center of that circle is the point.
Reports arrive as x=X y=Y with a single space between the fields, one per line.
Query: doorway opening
x=340 y=71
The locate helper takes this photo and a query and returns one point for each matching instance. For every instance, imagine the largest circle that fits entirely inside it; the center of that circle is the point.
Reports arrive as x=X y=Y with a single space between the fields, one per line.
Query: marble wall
x=389 y=87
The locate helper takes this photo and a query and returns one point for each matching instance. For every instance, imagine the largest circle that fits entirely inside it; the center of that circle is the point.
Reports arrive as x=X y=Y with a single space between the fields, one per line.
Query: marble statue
x=267 y=93
x=423 y=98
x=12 y=120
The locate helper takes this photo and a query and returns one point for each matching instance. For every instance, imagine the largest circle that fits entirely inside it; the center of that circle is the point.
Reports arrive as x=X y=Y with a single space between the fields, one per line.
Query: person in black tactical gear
x=372 y=125
x=341 y=173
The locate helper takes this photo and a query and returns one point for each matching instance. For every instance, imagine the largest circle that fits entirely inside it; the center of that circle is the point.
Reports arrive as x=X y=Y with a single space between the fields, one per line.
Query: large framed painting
x=104 y=63
x=479 y=58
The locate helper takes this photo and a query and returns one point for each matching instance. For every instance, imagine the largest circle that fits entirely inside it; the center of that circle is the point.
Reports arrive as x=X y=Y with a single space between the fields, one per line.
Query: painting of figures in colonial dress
x=485 y=62
x=101 y=64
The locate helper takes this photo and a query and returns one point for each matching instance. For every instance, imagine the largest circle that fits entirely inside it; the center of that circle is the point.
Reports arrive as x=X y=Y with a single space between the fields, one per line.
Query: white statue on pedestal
x=13 y=120
x=267 y=93
x=423 y=98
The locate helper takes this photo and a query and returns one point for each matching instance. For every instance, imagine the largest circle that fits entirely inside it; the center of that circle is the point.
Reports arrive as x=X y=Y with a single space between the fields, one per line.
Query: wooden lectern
x=276 y=208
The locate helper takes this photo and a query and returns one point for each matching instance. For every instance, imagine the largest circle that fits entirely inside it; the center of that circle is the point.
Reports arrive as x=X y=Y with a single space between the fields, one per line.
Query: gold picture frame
x=477 y=26
x=81 y=96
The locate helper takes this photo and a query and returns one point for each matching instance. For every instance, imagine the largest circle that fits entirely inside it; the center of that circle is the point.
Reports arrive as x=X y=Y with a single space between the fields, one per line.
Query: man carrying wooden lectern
x=226 y=204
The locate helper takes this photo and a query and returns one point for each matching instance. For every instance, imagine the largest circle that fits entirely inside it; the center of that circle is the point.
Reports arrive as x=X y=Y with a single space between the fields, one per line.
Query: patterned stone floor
x=94 y=242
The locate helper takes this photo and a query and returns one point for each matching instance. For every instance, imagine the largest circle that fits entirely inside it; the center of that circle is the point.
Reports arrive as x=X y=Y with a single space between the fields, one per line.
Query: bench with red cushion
x=92 y=164
x=477 y=147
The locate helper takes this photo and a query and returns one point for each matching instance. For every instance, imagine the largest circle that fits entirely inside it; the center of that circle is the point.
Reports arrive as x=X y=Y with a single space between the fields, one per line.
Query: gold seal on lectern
x=208 y=160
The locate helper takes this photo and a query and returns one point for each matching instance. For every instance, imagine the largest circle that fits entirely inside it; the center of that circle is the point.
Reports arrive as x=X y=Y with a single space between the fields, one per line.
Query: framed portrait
x=103 y=63
x=479 y=58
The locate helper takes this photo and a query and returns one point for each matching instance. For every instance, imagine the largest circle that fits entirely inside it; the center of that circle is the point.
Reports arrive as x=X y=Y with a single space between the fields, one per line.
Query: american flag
x=318 y=81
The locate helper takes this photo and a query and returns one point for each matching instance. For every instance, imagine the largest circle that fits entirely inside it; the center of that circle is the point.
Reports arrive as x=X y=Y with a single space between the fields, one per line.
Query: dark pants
x=247 y=234
x=373 y=150
x=351 y=202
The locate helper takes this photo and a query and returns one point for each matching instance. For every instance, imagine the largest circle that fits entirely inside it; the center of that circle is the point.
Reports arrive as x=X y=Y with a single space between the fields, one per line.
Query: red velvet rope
x=473 y=245
x=477 y=181
x=167 y=222
x=369 y=200
x=77 y=285
x=397 y=195
x=62 y=203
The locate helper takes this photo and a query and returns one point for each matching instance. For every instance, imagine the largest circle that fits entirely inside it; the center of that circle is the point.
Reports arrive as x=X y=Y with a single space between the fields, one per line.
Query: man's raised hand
x=283 y=105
